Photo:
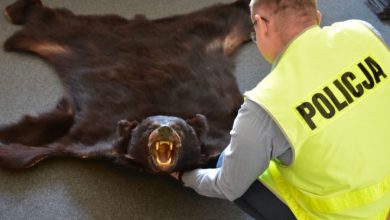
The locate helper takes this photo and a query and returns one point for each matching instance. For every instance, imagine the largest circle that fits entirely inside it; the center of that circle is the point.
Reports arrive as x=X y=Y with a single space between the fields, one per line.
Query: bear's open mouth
x=164 y=146
x=163 y=152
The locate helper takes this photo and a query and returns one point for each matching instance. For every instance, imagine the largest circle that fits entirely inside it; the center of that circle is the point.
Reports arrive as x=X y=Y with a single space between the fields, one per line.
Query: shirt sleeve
x=255 y=140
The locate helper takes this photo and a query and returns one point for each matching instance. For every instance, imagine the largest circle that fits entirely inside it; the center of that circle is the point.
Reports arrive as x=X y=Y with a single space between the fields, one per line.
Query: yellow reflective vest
x=330 y=95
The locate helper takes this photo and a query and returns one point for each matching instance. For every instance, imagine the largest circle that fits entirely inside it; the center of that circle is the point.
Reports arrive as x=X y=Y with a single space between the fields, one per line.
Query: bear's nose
x=165 y=131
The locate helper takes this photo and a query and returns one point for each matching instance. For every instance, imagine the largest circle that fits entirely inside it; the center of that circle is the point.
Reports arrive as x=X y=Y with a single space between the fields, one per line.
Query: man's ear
x=200 y=125
x=319 y=17
x=262 y=24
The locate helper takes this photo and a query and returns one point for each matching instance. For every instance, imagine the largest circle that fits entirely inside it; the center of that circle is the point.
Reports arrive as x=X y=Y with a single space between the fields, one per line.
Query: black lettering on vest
x=370 y=83
x=339 y=105
x=327 y=103
x=342 y=89
x=317 y=99
x=307 y=112
x=359 y=91
x=376 y=69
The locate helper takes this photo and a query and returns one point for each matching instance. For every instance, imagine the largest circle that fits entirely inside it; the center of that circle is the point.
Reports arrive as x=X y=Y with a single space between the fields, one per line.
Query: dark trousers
x=260 y=203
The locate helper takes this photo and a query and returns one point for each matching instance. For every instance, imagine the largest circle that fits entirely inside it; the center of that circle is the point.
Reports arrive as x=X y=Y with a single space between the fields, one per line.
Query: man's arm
x=255 y=140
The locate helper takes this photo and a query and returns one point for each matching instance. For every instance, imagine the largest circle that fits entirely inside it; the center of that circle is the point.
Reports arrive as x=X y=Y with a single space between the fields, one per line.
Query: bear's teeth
x=164 y=163
x=164 y=142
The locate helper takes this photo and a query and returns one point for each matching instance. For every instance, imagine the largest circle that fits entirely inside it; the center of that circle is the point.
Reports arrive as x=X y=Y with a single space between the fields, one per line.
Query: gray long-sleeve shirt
x=255 y=140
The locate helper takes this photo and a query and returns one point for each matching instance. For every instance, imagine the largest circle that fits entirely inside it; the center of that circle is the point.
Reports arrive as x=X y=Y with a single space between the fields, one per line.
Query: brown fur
x=113 y=68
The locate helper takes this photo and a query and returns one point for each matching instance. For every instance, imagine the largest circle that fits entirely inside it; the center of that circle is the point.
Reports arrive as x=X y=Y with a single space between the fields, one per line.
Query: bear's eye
x=176 y=127
x=153 y=127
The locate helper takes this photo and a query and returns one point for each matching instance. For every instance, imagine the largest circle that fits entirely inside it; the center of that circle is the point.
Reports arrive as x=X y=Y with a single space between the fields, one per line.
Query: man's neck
x=288 y=43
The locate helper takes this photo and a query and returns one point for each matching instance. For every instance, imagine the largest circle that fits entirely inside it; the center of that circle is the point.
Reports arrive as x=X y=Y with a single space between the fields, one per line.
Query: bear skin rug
x=155 y=95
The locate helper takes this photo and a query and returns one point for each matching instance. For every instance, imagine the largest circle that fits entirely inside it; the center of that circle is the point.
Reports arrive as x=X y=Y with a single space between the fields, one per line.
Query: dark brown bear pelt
x=159 y=95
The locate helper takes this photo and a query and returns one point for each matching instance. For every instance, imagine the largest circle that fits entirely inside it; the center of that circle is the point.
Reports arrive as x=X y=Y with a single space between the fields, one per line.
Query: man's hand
x=175 y=175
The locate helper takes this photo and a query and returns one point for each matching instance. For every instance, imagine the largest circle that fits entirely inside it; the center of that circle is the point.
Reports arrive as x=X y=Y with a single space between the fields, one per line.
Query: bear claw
x=7 y=16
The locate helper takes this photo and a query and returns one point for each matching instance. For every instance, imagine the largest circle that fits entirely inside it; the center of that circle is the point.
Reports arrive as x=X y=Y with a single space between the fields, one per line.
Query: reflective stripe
x=275 y=182
x=336 y=203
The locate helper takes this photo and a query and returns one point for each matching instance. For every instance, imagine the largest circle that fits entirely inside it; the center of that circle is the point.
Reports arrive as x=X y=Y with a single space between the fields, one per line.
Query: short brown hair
x=280 y=5
x=290 y=13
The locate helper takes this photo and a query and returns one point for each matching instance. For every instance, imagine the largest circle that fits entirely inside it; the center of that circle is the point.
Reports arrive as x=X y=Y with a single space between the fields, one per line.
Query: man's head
x=277 y=22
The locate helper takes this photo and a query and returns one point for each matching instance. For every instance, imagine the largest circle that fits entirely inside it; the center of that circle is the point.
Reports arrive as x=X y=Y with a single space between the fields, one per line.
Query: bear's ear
x=200 y=125
x=125 y=127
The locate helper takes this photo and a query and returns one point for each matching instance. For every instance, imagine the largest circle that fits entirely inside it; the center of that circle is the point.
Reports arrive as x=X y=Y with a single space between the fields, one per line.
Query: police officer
x=311 y=140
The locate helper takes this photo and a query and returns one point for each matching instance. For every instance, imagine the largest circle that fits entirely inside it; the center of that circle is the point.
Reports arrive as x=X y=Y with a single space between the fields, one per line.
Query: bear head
x=165 y=144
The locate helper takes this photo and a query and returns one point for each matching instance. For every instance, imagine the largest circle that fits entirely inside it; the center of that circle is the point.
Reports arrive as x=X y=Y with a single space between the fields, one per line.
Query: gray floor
x=71 y=189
